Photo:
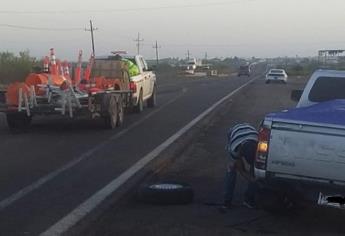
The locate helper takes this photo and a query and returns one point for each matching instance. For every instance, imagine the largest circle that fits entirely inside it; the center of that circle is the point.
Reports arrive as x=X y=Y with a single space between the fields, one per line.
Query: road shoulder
x=202 y=165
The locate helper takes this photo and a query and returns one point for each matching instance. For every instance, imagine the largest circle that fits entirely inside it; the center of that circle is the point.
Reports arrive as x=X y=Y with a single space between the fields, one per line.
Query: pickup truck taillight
x=133 y=87
x=262 y=150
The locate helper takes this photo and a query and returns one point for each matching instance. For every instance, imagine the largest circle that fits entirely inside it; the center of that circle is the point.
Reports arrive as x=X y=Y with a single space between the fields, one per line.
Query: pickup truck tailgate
x=306 y=150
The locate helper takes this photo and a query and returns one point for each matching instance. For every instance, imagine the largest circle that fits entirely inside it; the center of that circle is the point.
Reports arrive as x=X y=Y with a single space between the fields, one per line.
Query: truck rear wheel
x=140 y=106
x=18 y=121
x=110 y=111
x=152 y=101
x=121 y=112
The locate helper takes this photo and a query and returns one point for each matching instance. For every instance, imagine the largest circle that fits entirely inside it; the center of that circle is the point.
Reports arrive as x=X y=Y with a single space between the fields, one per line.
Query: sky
x=220 y=28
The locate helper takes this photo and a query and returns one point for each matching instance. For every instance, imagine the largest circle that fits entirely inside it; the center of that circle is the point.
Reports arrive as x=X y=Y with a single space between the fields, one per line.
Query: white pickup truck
x=143 y=85
x=301 y=151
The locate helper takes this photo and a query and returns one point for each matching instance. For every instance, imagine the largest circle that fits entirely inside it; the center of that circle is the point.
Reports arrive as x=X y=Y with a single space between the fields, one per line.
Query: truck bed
x=308 y=143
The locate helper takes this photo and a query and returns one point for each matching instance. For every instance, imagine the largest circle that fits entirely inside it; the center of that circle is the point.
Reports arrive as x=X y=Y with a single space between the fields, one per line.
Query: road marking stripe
x=91 y=203
x=37 y=184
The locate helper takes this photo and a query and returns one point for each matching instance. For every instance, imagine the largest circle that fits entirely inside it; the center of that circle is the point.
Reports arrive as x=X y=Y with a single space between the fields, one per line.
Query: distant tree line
x=15 y=67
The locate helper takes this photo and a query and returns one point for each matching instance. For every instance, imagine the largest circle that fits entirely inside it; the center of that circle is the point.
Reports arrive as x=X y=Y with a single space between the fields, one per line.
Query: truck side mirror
x=296 y=95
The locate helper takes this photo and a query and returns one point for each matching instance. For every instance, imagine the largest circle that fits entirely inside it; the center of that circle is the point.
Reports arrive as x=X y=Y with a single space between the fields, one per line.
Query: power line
x=39 y=28
x=125 y=9
x=138 y=40
x=157 y=47
x=92 y=29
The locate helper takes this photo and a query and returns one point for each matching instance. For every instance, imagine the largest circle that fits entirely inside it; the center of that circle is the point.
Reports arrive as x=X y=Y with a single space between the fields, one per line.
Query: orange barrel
x=100 y=82
x=12 y=94
x=35 y=79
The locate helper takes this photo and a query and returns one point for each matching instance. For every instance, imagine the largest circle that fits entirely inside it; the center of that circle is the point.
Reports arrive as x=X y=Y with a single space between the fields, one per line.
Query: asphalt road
x=49 y=170
x=203 y=165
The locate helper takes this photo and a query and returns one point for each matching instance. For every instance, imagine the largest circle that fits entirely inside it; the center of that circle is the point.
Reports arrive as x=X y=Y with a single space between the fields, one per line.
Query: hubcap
x=166 y=186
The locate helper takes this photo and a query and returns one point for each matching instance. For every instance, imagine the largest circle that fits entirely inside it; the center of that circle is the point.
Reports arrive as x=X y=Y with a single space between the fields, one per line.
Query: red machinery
x=104 y=94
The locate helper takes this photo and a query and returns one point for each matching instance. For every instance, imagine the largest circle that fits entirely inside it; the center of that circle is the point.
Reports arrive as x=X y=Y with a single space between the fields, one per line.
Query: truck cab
x=323 y=85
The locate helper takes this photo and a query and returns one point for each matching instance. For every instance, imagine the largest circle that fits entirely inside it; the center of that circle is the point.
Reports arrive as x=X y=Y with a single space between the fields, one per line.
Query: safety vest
x=132 y=68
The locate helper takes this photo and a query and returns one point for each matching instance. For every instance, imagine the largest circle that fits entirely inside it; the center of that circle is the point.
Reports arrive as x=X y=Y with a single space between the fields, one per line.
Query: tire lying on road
x=166 y=193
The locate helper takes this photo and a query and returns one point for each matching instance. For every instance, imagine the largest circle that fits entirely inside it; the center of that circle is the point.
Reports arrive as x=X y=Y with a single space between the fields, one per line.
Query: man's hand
x=243 y=167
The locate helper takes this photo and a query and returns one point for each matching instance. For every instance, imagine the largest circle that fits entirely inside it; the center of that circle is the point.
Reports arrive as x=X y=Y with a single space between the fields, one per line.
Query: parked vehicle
x=244 y=70
x=276 y=75
x=323 y=85
x=301 y=151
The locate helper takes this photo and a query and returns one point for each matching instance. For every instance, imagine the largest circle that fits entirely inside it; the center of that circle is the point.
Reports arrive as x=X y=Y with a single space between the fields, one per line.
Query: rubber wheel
x=140 y=106
x=272 y=201
x=152 y=101
x=166 y=193
x=109 y=107
x=18 y=121
x=267 y=82
x=121 y=112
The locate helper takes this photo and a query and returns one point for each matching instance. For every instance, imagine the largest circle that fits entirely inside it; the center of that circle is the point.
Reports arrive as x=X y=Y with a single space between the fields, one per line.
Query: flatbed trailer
x=105 y=96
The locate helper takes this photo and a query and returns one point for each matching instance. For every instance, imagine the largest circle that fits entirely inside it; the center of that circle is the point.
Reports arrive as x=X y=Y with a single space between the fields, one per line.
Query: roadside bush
x=15 y=68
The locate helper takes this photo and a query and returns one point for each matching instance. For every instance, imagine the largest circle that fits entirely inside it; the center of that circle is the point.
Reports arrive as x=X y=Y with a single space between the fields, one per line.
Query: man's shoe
x=223 y=208
x=249 y=204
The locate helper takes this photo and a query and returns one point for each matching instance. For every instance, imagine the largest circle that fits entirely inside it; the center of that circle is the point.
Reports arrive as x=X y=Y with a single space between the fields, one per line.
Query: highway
x=59 y=163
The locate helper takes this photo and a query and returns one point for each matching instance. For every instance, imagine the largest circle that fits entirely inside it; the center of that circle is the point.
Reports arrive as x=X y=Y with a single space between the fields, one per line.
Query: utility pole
x=188 y=54
x=138 y=40
x=205 y=57
x=92 y=29
x=156 y=47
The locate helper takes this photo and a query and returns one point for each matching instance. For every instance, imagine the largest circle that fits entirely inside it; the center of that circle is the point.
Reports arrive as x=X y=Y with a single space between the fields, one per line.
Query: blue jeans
x=230 y=183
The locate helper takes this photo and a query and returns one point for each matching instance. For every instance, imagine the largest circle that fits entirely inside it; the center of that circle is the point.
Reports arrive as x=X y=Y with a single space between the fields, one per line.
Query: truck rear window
x=276 y=75
x=276 y=71
x=327 y=88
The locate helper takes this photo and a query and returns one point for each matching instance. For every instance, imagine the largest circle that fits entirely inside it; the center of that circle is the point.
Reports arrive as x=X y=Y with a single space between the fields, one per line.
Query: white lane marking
x=91 y=203
x=37 y=184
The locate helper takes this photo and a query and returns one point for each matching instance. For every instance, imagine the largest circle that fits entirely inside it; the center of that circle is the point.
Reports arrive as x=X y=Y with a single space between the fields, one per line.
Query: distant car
x=244 y=70
x=276 y=75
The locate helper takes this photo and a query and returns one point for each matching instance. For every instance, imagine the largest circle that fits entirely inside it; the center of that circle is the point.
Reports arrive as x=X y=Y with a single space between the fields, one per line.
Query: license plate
x=336 y=201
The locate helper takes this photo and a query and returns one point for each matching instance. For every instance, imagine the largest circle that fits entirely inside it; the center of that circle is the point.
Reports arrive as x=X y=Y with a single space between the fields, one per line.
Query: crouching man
x=241 y=146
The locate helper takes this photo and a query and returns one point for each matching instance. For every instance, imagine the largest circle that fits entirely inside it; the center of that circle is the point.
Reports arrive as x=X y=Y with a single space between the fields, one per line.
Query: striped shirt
x=238 y=135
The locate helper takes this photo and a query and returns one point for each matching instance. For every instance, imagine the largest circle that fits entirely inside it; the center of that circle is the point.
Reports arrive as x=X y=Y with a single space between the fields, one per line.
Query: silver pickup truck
x=301 y=151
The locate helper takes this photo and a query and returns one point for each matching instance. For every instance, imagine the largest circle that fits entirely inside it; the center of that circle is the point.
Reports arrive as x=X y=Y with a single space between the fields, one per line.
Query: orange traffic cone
x=53 y=67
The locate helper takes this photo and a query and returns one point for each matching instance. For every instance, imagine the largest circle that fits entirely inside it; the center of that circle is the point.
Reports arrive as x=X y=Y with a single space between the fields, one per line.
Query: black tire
x=267 y=82
x=140 y=106
x=18 y=122
x=109 y=110
x=121 y=112
x=152 y=101
x=166 y=193
x=273 y=201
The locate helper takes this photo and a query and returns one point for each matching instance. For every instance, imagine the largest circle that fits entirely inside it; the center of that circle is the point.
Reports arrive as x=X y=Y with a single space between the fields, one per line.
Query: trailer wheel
x=110 y=111
x=121 y=112
x=18 y=121
x=140 y=106
x=152 y=101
